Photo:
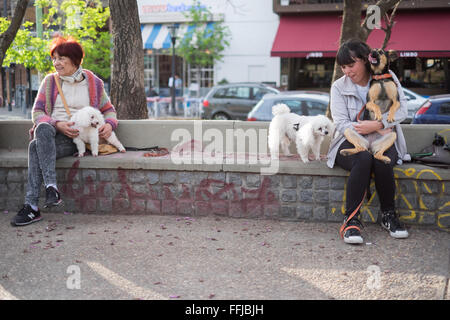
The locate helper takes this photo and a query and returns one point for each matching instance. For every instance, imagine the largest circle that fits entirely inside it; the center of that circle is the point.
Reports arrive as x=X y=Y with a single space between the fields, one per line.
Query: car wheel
x=220 y=116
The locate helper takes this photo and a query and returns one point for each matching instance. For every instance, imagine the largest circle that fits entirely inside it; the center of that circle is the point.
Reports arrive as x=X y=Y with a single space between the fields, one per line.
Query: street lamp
x=173 y=35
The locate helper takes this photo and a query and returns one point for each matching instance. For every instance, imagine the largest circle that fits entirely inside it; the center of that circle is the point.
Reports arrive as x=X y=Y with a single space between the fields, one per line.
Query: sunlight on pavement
x=372 y=283
x=5 y=295
x=124 y=284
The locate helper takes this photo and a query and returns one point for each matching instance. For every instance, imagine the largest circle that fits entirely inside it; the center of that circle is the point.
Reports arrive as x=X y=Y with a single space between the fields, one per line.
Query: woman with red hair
x=52 y=132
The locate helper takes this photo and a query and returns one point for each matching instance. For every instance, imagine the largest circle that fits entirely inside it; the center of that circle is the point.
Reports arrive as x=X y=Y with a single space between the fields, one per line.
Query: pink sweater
x=46 y=97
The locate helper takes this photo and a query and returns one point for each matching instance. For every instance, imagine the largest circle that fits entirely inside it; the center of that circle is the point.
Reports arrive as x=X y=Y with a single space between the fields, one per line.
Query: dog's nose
x=326 y=132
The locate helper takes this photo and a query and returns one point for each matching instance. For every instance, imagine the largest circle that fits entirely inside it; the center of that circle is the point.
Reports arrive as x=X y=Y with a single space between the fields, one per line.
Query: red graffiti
x=209 y=196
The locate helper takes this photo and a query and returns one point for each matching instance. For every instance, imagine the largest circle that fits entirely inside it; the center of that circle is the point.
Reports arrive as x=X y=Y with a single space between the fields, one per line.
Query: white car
x=415 y=101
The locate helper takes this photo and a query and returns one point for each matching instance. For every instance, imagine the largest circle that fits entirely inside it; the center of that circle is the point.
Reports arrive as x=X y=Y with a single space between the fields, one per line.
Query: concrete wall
x=131 y=183
x=253 y=26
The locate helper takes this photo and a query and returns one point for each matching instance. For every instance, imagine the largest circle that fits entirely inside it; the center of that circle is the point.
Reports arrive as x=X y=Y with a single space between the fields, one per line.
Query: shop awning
x=414 y=35
x=157 y=36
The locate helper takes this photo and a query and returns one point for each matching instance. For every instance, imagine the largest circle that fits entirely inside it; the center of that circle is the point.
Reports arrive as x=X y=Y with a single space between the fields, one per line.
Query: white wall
x=253 y=26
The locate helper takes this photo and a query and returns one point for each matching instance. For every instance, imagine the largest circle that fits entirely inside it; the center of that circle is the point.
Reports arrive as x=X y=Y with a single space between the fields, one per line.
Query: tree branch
x=389 y=20
x=385 y=6
x=8 y=36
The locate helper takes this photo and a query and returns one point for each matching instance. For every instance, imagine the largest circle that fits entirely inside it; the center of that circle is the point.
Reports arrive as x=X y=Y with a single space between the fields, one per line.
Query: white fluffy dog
x=308 y=132
x=87 y=121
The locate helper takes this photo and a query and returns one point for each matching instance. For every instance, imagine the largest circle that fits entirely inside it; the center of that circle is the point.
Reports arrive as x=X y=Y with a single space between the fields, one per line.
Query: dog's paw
x=391 y=118
x=305 y=159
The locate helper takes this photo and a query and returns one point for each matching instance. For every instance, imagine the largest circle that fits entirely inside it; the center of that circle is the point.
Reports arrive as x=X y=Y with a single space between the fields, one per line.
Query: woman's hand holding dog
x=105 y=131
x=367 y=126
x=66 y=128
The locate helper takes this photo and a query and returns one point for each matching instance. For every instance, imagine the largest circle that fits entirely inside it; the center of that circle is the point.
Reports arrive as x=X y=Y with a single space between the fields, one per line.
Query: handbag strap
x=58 y=85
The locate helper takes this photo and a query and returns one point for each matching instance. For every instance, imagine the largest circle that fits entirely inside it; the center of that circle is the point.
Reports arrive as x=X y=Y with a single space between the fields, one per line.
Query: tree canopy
x=82 y=20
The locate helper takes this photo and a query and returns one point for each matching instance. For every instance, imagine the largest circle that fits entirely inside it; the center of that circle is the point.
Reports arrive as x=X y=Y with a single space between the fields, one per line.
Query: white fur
x=87 y=121
x=310 y=135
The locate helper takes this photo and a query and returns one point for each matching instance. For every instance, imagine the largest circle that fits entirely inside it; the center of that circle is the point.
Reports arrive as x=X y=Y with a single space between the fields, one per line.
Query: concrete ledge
x=232 y=186
x=168 y=133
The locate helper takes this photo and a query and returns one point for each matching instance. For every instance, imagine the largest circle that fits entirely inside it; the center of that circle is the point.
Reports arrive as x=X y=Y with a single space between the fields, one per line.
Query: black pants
x=361 y=166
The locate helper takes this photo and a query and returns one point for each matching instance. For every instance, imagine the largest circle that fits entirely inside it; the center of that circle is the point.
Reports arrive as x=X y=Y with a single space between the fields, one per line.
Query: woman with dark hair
x=52 y=132
x=348 y=96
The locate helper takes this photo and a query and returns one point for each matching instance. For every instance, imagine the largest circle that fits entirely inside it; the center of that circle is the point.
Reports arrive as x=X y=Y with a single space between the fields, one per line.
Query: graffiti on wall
x=417 y=185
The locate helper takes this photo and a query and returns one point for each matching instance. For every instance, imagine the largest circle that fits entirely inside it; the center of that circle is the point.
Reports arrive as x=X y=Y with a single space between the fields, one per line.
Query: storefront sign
x=160 y=11
x=314 y=55
x=409 y=54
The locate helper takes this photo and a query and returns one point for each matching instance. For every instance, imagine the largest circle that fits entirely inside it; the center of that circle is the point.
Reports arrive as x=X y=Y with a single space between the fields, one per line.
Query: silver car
x=303 y=103
x=233 y=100
x=415 y=101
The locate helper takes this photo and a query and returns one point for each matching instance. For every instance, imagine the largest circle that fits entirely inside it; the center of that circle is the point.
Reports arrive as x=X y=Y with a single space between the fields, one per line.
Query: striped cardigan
x=46 y=97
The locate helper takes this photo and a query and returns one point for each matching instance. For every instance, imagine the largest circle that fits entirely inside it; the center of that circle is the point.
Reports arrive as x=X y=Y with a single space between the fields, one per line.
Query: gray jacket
x=345 y=105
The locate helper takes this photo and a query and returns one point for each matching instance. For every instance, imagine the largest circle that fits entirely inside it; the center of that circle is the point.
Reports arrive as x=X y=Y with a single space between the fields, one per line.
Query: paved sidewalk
x=79 y=256
x=14 y=114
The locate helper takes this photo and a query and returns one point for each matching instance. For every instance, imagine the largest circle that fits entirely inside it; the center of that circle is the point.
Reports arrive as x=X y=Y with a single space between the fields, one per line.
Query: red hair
x=68 y=47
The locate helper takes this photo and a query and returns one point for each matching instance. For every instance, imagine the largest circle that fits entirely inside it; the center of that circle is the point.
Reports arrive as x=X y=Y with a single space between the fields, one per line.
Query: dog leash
x=58 y=85
x=344 y=226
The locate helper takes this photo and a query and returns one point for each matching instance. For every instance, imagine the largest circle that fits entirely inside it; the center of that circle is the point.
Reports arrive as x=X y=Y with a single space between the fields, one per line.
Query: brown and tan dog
x=382 y=98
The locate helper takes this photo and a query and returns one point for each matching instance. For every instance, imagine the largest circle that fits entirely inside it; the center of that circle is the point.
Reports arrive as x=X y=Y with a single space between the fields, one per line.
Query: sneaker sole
x=398 y=234
x=15 y=224
x=53 y=205
x=354 y=240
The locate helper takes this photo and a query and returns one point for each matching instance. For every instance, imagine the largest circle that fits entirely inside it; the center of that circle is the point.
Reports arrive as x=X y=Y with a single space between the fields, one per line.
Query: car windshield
x=305 y=107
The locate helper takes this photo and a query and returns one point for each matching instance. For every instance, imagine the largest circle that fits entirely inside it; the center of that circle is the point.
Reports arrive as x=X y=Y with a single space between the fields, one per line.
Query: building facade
x=252 y=25
x=307 y=40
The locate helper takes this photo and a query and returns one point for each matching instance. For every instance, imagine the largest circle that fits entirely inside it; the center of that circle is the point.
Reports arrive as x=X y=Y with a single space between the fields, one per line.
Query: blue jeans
x=47 y=146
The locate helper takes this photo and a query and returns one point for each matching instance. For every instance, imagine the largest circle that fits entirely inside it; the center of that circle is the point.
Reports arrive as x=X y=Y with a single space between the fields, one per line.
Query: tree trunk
x=8 y=36
x=127 y=80
x=352 y=27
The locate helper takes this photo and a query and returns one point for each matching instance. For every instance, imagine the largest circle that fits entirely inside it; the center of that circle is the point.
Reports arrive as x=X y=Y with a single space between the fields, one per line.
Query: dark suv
x=234 y=100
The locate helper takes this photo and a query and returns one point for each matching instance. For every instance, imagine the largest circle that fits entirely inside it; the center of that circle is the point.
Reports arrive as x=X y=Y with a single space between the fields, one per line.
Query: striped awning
x=157 y=36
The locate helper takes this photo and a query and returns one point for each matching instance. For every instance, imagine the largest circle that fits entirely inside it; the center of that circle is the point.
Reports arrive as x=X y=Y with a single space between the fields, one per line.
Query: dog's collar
x=381 y=76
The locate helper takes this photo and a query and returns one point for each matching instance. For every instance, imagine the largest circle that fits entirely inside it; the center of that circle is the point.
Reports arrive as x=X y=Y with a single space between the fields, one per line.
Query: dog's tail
x=280 y=109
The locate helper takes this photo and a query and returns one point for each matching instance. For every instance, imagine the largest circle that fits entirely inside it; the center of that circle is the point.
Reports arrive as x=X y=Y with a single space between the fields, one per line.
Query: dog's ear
x=392 y=54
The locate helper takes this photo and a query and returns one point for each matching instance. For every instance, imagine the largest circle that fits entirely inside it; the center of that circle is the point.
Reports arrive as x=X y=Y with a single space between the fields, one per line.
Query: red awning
x=414 y=35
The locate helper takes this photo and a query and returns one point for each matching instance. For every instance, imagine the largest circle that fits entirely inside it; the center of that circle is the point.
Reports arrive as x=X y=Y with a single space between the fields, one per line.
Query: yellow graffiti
x=421 y=188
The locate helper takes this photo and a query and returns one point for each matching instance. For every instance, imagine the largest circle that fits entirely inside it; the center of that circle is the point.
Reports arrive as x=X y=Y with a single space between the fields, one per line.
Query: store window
x=204 y=77
x=422 y=73
x=149 y=72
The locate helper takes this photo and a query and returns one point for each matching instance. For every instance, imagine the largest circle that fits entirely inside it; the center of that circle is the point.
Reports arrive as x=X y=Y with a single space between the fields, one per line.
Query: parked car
x=304 y=103
x=415 y=101
x=434 y=111
x=234 y=100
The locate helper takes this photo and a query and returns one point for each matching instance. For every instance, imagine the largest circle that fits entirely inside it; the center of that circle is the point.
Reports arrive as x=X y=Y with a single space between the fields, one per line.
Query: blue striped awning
x=157 y=36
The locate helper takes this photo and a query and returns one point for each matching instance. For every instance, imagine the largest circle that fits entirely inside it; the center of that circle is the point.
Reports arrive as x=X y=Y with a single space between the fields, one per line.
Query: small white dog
x=87 y=121
x=308 y=132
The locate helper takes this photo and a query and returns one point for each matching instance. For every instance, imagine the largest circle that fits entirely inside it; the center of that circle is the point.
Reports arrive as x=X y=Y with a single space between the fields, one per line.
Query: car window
x=409 y=96
x=445 y=108
x=295 y=106
x=238 y=93
x=315 y=107
x=220 y=93
x=306 y=107
x=258 y=93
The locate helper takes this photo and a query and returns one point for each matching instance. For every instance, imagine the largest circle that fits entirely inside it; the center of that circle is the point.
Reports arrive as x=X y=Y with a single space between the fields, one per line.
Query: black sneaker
x=391 y=222
x=25 y=216
x=352 y=233
x=52 y=197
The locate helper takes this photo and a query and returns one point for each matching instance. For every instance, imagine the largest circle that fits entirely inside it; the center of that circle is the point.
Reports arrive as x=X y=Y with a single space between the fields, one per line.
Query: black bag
x=436 y=155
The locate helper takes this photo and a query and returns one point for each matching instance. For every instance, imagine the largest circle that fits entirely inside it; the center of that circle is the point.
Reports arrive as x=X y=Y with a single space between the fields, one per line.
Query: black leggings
x=361 y=165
